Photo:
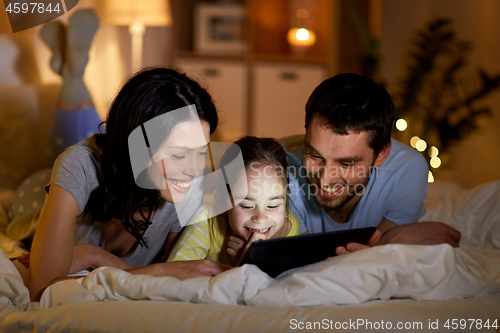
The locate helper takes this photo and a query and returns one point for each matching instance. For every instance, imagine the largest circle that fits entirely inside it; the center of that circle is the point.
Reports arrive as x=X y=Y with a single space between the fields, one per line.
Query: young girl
x=95 y=213
x=260 y=213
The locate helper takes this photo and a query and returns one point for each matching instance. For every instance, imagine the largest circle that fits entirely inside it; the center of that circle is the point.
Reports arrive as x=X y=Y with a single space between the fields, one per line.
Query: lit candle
x=301 y=37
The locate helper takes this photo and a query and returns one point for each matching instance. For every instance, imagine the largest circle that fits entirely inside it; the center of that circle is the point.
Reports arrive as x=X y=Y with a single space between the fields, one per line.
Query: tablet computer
x=275 y=256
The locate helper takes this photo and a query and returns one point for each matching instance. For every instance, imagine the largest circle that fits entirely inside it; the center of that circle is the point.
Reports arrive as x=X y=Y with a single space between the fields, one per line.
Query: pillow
x=26 y=114
x=16 y=133
x=27 y=203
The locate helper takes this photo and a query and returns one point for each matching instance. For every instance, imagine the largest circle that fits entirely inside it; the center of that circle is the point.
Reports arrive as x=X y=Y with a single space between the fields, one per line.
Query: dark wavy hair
x=148 y=94
x=348 y=103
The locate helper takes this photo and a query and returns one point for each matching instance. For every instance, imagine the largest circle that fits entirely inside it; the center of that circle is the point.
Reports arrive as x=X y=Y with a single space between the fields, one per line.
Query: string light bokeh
x=421 y=145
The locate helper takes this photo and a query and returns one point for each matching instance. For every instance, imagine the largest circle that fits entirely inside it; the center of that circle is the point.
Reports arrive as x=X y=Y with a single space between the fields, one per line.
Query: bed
x=391 y=287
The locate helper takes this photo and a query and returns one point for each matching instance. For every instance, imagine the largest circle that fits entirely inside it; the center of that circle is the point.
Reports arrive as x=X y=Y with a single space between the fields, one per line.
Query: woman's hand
x=183 y=269
x=23 y=259
x=52 y=247
x=84 y=256
x=92 y=256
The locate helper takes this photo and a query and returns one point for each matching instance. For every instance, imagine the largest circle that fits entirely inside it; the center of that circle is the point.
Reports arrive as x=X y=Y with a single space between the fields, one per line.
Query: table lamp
x=135 y=14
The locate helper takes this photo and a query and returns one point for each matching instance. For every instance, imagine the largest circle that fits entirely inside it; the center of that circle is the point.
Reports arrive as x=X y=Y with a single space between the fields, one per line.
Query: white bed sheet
x=157 y=316
x=439 y=283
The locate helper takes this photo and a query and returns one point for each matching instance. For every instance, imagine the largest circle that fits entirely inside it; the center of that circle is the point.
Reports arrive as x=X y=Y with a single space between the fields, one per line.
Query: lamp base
x=137 y=30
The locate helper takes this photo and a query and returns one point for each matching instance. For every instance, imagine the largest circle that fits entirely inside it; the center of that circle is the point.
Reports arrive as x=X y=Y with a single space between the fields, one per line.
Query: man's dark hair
x=352 y=103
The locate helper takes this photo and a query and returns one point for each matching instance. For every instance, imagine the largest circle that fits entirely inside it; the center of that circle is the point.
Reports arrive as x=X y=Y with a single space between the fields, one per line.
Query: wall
x=476 y=159
x=29 y=89
x=109 y=56
x=24 y=61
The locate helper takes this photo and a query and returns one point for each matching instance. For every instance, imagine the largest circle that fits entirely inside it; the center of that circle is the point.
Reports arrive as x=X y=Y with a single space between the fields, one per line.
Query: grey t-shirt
x=75 y=170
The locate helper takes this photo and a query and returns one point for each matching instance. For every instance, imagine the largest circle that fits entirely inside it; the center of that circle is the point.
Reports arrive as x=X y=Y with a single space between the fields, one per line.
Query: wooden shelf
x=267 y=24
x=270 y=83
x=271 y=20
x=197 y=55
x=289 y=58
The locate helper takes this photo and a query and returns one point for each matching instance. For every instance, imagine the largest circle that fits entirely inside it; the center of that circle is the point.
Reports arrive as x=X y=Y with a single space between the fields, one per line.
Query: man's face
x=338 y=166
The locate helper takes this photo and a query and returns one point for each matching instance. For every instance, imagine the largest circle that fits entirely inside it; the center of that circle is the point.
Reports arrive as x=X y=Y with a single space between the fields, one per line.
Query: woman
x=93 y=197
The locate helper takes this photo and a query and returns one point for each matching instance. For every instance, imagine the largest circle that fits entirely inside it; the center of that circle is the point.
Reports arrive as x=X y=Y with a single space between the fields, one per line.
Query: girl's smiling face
x=263 y=209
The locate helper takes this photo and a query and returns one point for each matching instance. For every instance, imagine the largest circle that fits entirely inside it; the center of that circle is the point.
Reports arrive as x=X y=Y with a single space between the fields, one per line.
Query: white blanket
x=391 y=271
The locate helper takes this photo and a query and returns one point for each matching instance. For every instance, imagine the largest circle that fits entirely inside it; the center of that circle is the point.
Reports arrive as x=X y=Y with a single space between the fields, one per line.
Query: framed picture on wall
x=220 y=29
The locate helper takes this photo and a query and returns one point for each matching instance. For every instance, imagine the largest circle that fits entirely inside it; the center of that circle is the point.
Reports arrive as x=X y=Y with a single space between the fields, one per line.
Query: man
x=350 y=174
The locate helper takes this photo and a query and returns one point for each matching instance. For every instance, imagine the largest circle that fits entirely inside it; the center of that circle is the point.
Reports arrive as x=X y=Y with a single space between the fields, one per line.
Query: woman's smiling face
x=181 y=158
x=263 y=209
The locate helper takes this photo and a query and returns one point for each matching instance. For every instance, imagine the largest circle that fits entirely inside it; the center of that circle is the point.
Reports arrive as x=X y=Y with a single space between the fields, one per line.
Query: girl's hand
x=256 y=236
x=235 y=247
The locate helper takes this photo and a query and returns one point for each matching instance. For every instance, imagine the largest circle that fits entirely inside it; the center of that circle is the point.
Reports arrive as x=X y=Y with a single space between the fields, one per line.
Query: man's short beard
x=334 y=204
x=350 y=192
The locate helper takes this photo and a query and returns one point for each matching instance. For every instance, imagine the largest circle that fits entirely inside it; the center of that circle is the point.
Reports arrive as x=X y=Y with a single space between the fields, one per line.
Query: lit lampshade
x=136 y=14
x=125 y=12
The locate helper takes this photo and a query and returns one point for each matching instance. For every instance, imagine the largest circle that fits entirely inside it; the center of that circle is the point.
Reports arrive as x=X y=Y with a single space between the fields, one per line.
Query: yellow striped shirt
x=208 y=238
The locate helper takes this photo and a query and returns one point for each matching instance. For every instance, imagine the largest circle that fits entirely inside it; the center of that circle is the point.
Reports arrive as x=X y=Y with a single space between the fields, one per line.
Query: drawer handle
x=288 y=76
x=211 y=72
